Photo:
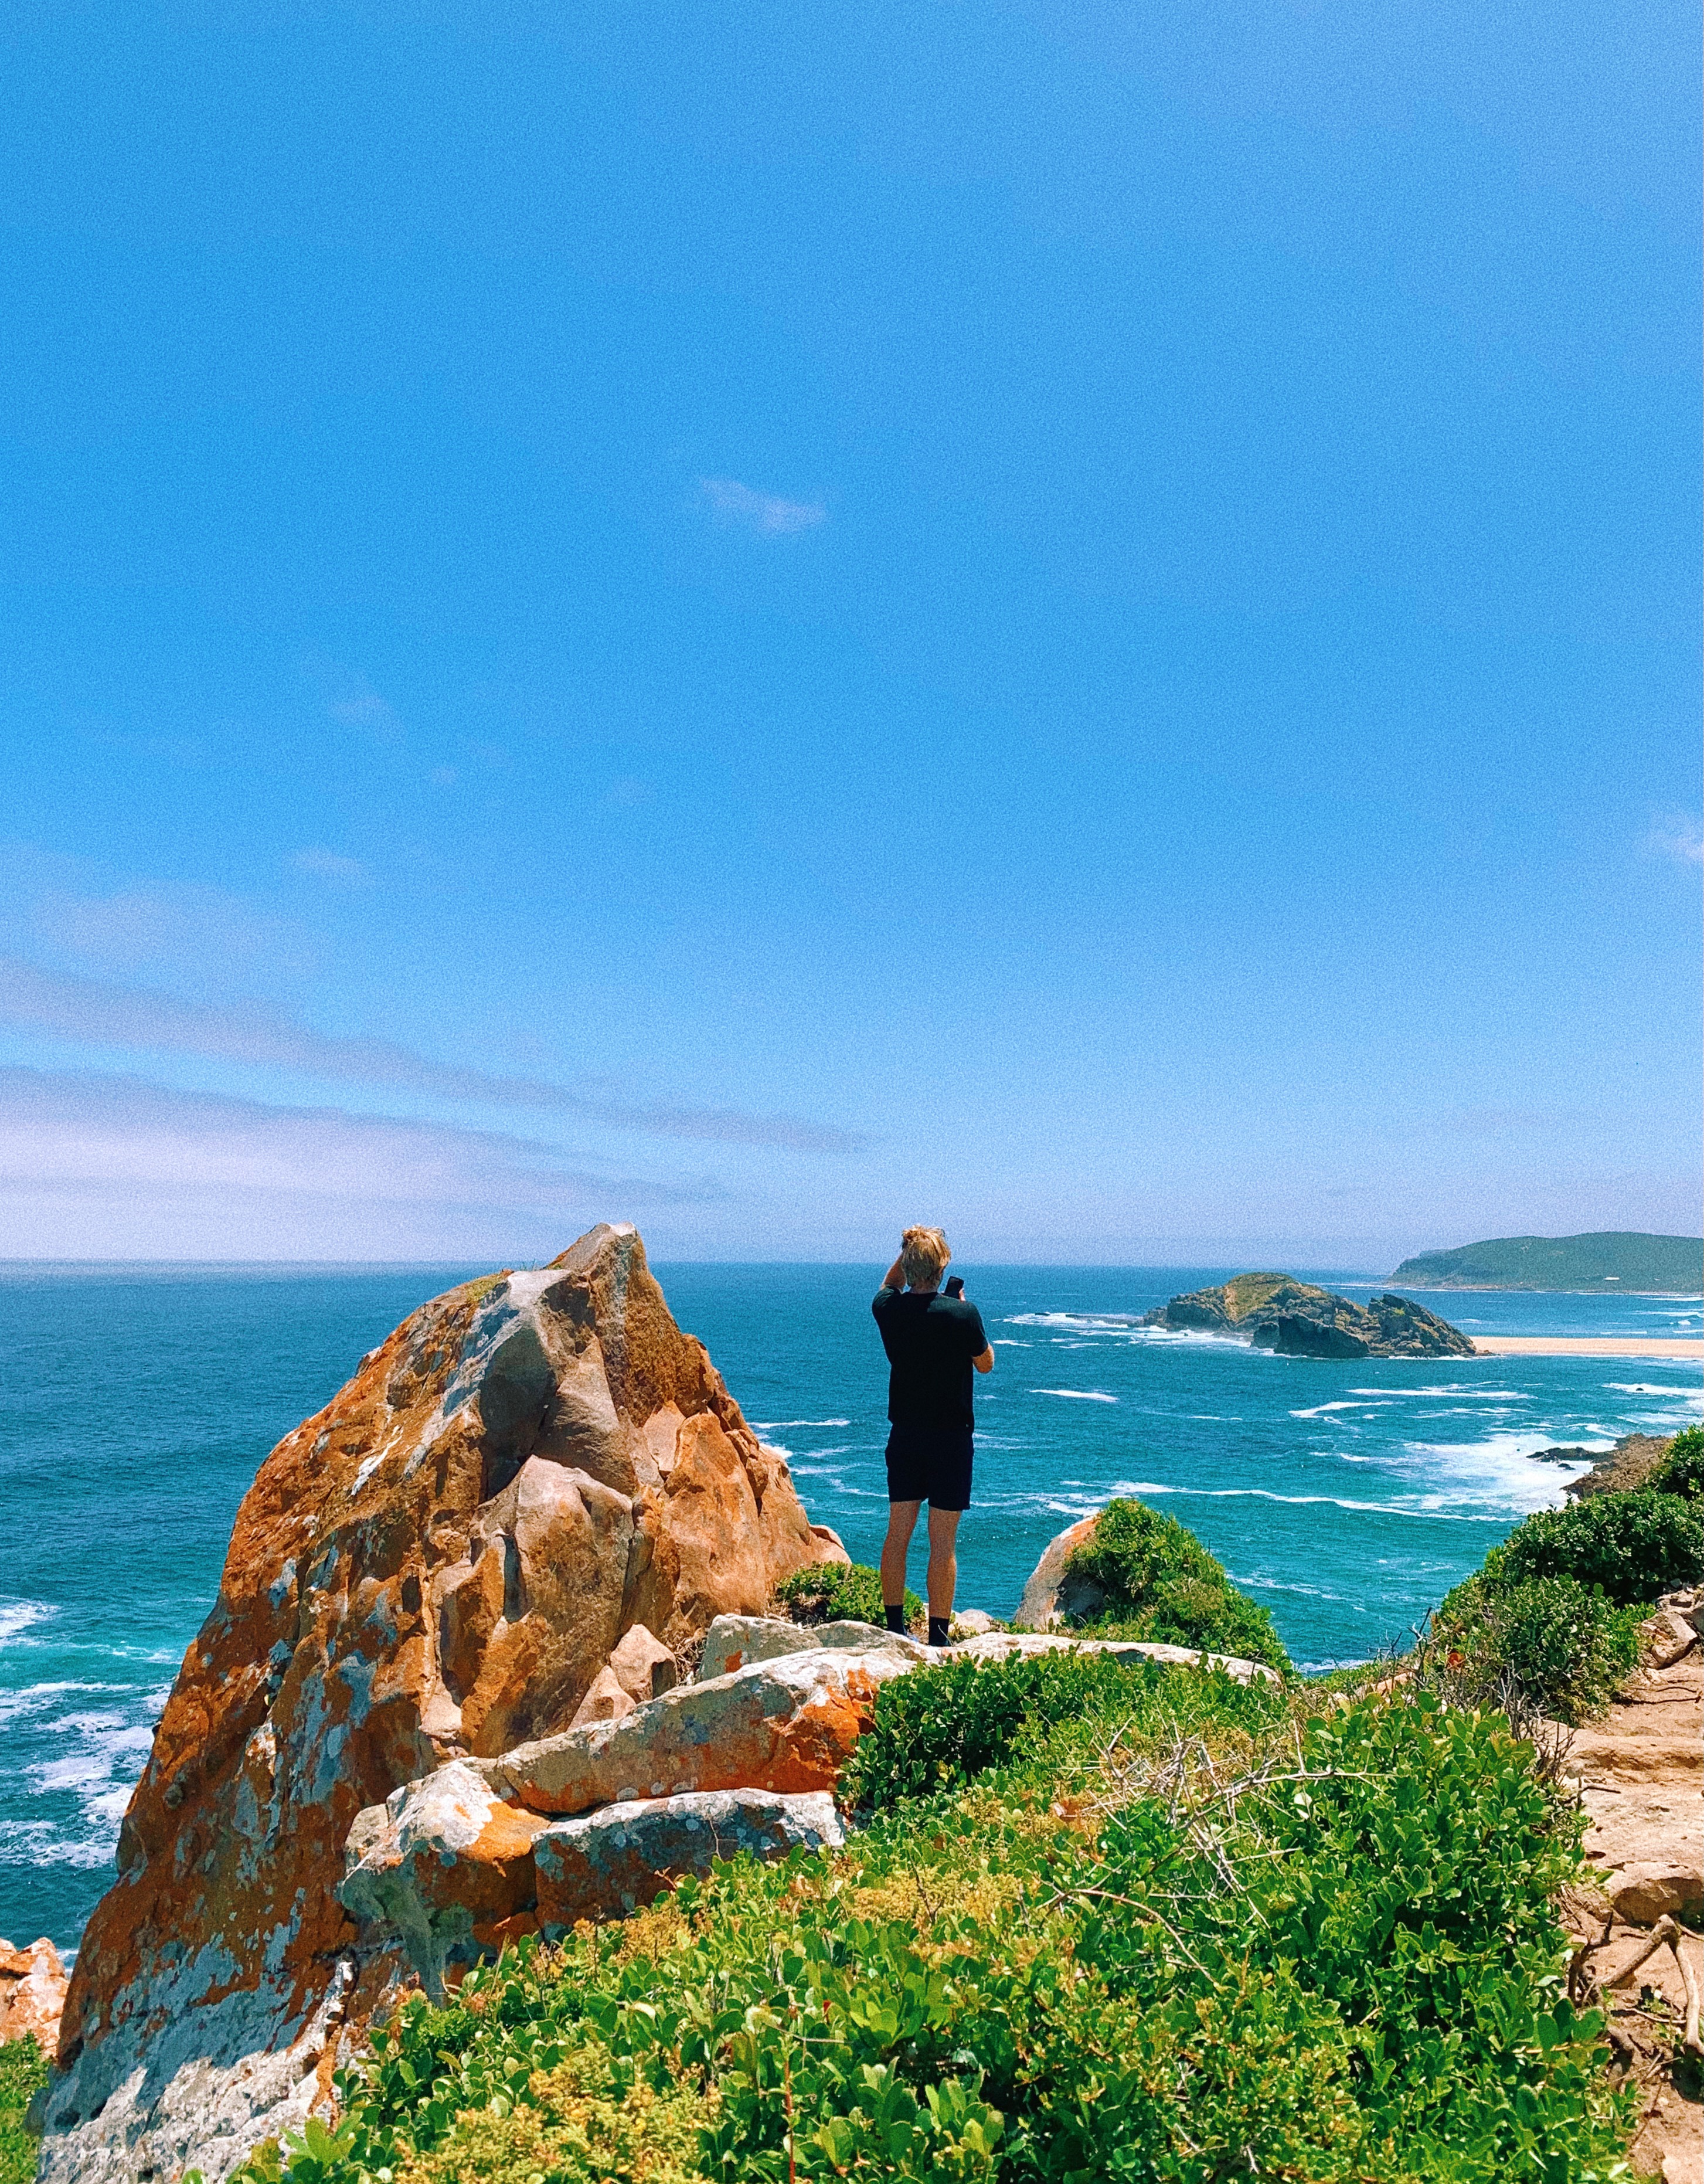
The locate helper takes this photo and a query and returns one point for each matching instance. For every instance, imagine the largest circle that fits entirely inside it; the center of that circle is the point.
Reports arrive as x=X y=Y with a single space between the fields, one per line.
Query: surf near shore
x=1678 y=1349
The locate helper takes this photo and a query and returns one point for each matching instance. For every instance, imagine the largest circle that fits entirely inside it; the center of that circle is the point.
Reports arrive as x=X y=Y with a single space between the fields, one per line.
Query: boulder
x=973 y=1623
x=626 y=1854
x=32 y=1993
x=1002 y=1645
x=789 y=1724
x=440 y=1867
x=442 y=1560
x=1050 y=1596
x=643 y=1666
x=735 y=1641
x=606 y=1701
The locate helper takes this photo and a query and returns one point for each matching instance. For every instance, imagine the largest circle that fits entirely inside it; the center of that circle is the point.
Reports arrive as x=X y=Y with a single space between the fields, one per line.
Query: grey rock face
x=624 y=1855
x=735 y=1641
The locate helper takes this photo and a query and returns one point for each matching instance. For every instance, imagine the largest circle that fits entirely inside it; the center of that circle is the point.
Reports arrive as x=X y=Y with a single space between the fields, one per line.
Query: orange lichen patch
x=506 y=1840
x=501 y=1933
x=327 y=1673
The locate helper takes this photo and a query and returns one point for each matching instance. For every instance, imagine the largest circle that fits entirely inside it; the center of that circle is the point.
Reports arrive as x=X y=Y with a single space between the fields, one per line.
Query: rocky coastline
x=496 y=1654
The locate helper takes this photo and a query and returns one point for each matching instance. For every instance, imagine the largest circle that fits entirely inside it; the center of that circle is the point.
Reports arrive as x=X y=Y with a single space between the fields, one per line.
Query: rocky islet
x=1299 y=1319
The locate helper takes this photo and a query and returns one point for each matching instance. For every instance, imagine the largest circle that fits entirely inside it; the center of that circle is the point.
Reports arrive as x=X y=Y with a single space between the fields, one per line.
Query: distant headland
x=1607 y=1260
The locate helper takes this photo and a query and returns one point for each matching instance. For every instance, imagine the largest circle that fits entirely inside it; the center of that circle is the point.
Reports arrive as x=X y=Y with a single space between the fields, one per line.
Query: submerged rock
x=440 y=1564
x=1298 y=1319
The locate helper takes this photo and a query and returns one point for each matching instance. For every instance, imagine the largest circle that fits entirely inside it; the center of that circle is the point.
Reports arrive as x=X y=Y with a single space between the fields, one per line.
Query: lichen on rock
x=440 y=1564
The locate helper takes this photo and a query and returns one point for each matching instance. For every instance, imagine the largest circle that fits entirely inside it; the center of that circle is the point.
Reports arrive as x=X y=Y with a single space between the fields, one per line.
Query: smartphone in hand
x=955 y=1287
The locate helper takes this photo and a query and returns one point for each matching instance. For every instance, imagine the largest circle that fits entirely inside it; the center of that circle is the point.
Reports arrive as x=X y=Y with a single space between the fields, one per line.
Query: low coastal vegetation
x=839 y=1592
x=23 y=2071
x=1130 y=1924
x=1156 y=1581
x=1551 y=1622
x=1098 y=1920
x=1606 y=1261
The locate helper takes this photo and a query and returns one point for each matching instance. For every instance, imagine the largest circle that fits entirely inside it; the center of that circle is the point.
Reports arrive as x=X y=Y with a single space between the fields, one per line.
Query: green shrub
x=23 y=2070
x=1682 y=1470
x=1635 y=1547
x=839 y=1592
x=1334 y=1957
x=1161 y=1584
x=939 y=1727
x=1565 y=1648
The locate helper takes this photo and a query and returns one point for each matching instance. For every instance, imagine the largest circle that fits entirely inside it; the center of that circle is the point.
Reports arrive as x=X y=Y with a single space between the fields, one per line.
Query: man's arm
x=894 y=1279
x=985 y=1363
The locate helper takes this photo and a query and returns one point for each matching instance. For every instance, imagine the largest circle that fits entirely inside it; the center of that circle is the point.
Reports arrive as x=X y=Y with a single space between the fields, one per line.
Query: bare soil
x=1641 y=1772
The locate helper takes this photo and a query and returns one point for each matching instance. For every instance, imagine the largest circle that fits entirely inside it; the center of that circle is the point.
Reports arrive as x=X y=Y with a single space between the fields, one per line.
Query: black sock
x=896 y=1617
x=938 y=1628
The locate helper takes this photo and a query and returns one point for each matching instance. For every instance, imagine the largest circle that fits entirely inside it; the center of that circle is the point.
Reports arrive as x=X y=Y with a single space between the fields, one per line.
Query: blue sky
x=1076 y=621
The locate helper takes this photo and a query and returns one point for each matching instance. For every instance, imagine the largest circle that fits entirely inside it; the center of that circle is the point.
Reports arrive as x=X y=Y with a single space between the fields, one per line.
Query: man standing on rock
x=931 y=1342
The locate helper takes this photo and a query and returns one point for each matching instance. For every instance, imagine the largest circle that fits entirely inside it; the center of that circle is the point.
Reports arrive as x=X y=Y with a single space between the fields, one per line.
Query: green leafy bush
x=1161 y=1582
x=1635 y=1547
x=839 y=1592
x=1566 y=1648
x=940 y=1727
x=1331 y=1956
x=23 y=2070
x=1682 y=1470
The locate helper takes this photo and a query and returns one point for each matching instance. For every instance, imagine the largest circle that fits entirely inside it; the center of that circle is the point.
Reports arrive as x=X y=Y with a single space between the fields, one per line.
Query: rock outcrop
x=532 y=1493
x=1625 y=1467
x=1054 y=1595
x=1298 y=1319
x=32 y=1993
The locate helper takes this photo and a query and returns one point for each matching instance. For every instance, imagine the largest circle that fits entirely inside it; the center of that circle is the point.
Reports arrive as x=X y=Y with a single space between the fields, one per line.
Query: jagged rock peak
x=440 y=1564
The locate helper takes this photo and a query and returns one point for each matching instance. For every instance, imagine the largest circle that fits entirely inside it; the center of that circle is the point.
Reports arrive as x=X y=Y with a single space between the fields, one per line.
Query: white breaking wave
x=1320 y=1410
x=1646 y=1388
x=1480 y=1395
x=1076 y=1395
x=786 y=1425
x=17 y=1616
x=1498 y=1471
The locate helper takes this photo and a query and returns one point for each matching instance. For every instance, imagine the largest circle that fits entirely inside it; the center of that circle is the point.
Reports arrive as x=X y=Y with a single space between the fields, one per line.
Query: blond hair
x=924 y=1255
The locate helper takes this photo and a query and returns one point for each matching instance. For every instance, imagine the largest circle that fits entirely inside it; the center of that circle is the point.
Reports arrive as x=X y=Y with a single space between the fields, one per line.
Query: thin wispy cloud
x=1678 y=835
x=159 y=928
x=764 y=512
x=93 y=1012
x=155 y=1172
x=328 y=864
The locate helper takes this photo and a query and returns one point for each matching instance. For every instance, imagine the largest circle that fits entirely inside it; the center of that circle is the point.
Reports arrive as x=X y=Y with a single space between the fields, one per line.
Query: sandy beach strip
x=1678 y=1349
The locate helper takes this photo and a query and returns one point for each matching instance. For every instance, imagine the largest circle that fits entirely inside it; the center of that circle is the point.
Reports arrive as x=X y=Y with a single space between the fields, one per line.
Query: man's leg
x=902 y=1521
x=944 y=1567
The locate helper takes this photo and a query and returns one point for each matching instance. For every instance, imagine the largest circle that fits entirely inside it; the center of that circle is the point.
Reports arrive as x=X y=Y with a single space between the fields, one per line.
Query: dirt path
x=1641 y=1773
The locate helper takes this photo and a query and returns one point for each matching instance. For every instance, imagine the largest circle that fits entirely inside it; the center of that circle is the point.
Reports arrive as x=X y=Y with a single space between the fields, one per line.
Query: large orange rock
x=32 y=1993
x=438 y=1565
x=448 y=1863
x=788 y=1723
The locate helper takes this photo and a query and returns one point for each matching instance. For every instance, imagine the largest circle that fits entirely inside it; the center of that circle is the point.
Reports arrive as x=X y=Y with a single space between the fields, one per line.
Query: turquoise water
x=136 y=1404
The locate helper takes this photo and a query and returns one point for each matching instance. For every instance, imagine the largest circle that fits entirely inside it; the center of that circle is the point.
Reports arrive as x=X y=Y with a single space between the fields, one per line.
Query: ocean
x=136 y=1404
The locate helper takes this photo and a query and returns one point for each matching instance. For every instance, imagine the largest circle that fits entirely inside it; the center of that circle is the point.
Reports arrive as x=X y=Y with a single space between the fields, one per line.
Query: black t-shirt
x=930 y=1341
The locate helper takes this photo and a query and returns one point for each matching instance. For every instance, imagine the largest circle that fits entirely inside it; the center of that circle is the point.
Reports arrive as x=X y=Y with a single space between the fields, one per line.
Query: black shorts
x=930 y=1463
